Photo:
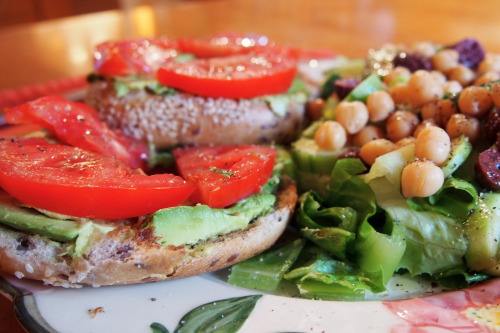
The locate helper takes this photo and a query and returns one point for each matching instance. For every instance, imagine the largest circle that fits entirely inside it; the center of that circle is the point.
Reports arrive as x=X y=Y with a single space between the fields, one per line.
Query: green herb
x=158 y=328
x=222 y=172
x=224 y=316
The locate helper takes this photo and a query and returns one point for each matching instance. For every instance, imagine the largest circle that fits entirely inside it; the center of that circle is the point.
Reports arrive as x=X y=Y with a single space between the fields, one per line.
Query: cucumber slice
x=308 y=157
x=460 y=150
x=483 y=231
x=369 y=85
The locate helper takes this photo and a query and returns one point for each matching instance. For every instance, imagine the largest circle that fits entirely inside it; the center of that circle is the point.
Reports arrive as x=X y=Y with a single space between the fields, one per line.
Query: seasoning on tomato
x=141 y=56
x=224 y=175
x=79 y=125
x=238 y=76
x=76 y=182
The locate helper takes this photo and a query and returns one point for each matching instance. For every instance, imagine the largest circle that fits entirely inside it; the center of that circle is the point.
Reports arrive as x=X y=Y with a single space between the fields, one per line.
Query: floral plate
x=207 y=304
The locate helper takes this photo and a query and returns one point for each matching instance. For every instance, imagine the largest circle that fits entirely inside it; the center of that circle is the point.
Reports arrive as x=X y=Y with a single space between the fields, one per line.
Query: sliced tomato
x=222 y=45
x=141 y=56
x=79 y=125
x=72 y=181
x=239 y=76
x=224 y=175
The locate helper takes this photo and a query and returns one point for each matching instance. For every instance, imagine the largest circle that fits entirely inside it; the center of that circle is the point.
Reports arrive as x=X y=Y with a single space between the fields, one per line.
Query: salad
x=398 y=174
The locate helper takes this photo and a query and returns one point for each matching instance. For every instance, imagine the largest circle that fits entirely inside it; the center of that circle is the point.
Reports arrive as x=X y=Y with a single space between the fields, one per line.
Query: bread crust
x=128 y=255
x=185 y=119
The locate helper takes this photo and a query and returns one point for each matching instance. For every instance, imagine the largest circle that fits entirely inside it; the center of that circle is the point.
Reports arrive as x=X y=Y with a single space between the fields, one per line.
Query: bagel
x=130 y=254
x=187 y=119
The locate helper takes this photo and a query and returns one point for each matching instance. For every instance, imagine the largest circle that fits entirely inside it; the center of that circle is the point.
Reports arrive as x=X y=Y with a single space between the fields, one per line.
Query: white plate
x=134 y=308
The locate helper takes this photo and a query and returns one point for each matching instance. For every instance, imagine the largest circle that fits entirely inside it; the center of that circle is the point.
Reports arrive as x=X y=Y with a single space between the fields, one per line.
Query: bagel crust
x=185 y=119
x=128 y=255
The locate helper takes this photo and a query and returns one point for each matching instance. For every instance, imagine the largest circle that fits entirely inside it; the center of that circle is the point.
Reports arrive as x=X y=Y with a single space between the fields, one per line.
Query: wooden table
x=56 y=50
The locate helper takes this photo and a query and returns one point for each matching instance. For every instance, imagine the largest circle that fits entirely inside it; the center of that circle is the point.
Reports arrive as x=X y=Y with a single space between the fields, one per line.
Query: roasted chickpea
x=405 y=141
x=401 y=124
x=375 y=148
x=445 y=60
x=462 y=124
x=330 y=136
x=438 y=76
x=452 y=87
x=421 y=178
x=463 y=74
x=495 y=94
x=475 y=101
x=446 y=108
x=423 y=125
x=427 y=49
x=423 y=88
x=368 y=133
x=397 y=74
x=380 y=104
x=352 y=115
x=487 y=78
x=400 y=93
x=430 y=111
x=433 y=144
x=490 y=63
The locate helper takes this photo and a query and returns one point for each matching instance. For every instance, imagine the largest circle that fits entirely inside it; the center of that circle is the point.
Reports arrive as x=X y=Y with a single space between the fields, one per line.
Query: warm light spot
x=144 y=20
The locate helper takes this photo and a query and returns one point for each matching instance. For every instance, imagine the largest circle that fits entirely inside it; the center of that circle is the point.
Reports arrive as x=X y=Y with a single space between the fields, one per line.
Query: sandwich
x=81 y=206
x=236 y=88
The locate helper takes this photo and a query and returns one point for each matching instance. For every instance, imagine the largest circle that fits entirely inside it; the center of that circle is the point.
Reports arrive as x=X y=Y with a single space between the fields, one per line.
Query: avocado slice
x=191 y=224
x=483 y=230
x=30 y=220
x=459 y=152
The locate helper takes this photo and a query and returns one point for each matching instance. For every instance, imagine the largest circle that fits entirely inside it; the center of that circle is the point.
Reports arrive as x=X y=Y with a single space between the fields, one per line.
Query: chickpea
x=352 y=115
x=495 y=94
x=462 y=124
x=446 y=108
x=401 y=124
x=423 y=88
x=487 y=78
x=430 y=111
x=445 y=60
x=400 y=93
x=368 y=133
x=375 y=148
x=452 y=87
x=427 y=49
x=433 y=144
x=475 y=101
x=330 y=136
x=421 y=179
x=439 y=76
x=397 y=74
x=463 y=74
x=490 y=63
x=405 y=141
x=423 y=125
x=380 y=104
x=315 y=108
x=440 y=111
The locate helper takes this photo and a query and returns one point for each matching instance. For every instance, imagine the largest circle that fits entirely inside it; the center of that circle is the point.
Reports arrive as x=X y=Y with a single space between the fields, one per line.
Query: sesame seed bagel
x=185 y=119
x=129 y=255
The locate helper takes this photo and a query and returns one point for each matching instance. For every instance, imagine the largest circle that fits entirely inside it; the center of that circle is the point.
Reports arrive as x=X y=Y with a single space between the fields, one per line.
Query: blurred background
x=52 y=40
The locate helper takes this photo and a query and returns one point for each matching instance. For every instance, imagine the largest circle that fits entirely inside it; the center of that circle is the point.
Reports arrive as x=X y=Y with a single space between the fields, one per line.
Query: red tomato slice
x=79 y=125
x=72 y=181
x=141 y=56
x=222 y=45
x=224 y=175
x=239 y=76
